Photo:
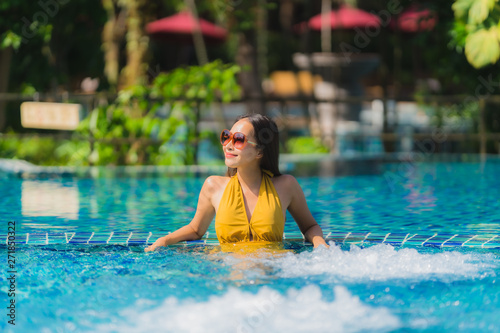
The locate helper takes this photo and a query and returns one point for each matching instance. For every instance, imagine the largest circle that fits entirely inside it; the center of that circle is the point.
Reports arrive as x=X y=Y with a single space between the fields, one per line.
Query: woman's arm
x=199 y=224
x=302 y=215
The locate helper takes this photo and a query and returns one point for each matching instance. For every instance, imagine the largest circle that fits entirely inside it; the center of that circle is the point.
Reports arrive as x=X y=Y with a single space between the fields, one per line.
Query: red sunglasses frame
x=231 y=138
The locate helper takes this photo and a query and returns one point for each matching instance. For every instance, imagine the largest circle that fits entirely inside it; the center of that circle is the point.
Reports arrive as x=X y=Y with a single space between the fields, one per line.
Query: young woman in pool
x=250 y=202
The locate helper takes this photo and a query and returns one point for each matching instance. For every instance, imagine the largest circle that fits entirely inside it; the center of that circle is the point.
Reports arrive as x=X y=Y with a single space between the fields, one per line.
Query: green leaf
x=462 y=7
x=480 y=10
x=10 y=39
x=482 y=47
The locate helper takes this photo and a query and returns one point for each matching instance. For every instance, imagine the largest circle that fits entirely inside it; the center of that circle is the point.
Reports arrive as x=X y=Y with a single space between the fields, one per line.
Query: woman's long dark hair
x=267 y=135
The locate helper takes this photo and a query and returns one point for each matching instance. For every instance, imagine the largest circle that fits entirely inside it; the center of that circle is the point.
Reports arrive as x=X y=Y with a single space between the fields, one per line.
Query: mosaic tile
x=98 y=239
x=19 y=239
x=432 y=244
x=357 y=236
x=96 y=242
x=376 y=237
x=489 y=241
x=139 y=238
x=78 y=242
x=442 y=237
x=37 y=239
x=80 y=238
x=395 y=238
x=57 y=238
x=136 y=242
x=69 y=236
x=119 y=236
x=476 y=242
x=422 y=239
x=101 y=236
x=463 y=237
x=411 y=244
x=452 y=243
x=116 y=241
x=492 y=245
x=199 y=241
x=438 y=240
x=293 y=235
x=338 y=237
x=353 y=240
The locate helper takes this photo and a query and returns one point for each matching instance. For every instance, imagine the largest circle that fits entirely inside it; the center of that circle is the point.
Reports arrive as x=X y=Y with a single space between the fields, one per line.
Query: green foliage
x=37 y=150
x=59 y=39
x=10 y=38
x=482 y=47
x=477 y=29
x=205 y=84
x=306 y=145
x=456 y=117
x=73 y=152
x=135 y=129
x=144 y=125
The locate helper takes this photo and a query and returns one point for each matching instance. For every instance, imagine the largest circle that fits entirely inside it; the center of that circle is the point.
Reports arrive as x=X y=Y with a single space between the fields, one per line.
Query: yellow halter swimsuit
x=267 y=222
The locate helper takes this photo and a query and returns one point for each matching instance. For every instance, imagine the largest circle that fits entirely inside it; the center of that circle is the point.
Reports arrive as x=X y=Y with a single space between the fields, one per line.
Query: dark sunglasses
x=239 y=139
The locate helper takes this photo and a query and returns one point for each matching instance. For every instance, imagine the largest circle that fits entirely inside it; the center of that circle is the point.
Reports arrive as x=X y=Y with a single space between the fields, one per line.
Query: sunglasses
x=239 y=139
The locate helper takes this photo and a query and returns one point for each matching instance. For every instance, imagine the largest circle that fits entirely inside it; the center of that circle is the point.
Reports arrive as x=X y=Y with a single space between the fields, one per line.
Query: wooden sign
x=59 y=116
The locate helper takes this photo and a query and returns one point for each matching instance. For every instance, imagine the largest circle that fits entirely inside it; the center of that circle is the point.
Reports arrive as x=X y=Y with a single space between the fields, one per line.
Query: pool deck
x=356 y=238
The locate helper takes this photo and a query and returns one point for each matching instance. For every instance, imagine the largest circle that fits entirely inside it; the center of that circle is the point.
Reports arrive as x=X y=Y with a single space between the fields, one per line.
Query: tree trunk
x=249 y=79
x=261 y=40
x=137 y=45
x=199 y=43
x=5 y=59
x=112 y=35
x=326 y=29
x=286 y=22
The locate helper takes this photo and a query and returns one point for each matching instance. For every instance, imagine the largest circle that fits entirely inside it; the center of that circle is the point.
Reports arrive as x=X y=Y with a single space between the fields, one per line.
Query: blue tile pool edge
x=338 y=237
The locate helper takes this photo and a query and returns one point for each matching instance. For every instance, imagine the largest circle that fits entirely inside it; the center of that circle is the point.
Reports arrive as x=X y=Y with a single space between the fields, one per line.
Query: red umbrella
x=180 y=27
x=346 y=18
x=415 y=20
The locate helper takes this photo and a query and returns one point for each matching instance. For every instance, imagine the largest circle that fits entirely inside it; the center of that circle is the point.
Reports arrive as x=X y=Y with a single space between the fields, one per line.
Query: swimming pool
x=361 y=284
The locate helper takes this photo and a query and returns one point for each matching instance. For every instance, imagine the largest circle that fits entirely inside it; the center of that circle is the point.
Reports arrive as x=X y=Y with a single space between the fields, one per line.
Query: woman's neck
x=251 y=177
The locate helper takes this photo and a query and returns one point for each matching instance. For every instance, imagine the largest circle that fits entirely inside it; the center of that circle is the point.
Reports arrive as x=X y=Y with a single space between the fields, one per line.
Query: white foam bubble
x=301 y=310
x=382 y=262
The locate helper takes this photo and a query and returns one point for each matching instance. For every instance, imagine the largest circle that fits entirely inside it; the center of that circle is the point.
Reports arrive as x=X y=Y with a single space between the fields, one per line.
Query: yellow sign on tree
x=59 y=116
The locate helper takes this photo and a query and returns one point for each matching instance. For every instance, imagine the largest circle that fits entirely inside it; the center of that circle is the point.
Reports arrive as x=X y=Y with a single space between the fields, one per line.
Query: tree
x=20 y=23
x=126 y=21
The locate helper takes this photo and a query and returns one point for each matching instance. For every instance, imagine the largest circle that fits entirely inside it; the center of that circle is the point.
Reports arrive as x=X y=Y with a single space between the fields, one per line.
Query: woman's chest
x=250 y=199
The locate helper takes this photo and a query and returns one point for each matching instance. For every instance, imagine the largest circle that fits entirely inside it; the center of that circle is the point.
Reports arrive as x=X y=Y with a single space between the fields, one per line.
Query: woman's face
x=249 y=154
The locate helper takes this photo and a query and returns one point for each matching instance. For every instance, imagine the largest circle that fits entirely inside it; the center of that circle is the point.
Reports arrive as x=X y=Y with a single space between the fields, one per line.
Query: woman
x=250 y=202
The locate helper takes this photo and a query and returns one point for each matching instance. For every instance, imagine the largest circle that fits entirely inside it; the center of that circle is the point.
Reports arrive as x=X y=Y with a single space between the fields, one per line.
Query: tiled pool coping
x=359 y=238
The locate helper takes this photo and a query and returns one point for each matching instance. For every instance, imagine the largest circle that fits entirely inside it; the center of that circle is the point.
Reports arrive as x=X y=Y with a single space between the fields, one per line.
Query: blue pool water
x=347 y=288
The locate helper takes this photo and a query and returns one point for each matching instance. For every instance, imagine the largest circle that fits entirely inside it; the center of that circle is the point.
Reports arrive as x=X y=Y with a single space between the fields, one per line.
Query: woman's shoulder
x=215 y=183
x=285 y=181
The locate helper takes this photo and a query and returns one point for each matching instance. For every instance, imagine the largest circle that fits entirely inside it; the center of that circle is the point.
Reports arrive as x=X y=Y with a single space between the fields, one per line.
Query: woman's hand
x=318 y=241
x=162 y=241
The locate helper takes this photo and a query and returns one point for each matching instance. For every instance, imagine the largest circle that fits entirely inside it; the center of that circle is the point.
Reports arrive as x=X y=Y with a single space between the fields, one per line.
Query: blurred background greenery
x=153 y=93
